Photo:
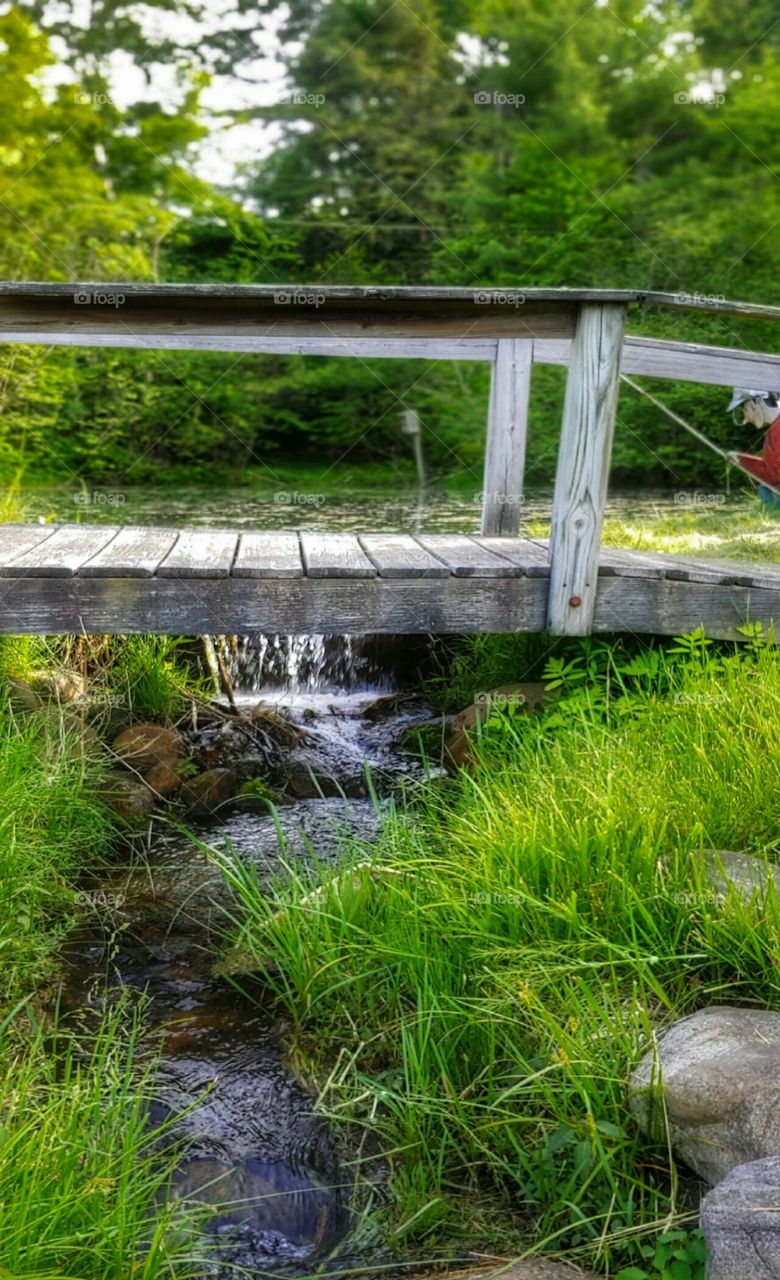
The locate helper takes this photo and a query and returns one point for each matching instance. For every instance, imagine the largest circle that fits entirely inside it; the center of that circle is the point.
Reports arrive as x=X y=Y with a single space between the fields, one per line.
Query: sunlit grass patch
x=477 y=994
x=740 y=529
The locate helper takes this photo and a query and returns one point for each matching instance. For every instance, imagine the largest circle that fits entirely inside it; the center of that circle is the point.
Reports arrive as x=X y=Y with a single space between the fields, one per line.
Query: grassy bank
x=82 y=1182
x=743 y=530
x=54 y=822
x=81 y=1174
x=52 y=825
x=693 y=523
x=479 y=996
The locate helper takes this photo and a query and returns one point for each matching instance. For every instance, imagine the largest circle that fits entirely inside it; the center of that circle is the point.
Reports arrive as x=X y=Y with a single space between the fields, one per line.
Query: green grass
x=52 y=826
x=152 y=675
x=82 y=1177
x=479 y=997
x=740 y=529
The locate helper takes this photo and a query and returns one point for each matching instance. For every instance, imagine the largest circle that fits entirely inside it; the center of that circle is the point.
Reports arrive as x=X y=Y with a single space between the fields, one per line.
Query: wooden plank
x=409 y=296
x=680 y=361
x=340 y=292
x=670 y=607
x=268 y=555
x=675 y=568
x=61 y=555
x=731 y=572
x=715 y=571
x=200 y=553
x=617 y=563
x=656 y=564
x=16 y=539
x=583 y=468
x=712 y=304
x=135 y=552
x=465 y=558
x=348 y=607
x=359 y=348
x=335 y=555
x=247 y=316
x=510 y=390
x=398 y=555
x=532 y=557
x=340 y=606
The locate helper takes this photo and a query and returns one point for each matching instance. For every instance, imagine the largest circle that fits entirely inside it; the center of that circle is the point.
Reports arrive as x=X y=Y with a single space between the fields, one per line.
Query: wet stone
x=163 y=779
x=517 y=699
x=22 y=697
x=286 y=1213
x=144 y=746
x=718 y=1071
x=307 y=777
x=740 y=1223
x=204 y=794
x=389 y=705
x=128 y=796
x=60 y=686
x=745 y=874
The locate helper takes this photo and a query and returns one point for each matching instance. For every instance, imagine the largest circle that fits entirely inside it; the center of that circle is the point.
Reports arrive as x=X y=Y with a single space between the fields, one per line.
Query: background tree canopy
x=494 y=143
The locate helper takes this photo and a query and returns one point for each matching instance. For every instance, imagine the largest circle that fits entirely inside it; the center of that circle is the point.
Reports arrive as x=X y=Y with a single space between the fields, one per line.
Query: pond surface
x=345 y=507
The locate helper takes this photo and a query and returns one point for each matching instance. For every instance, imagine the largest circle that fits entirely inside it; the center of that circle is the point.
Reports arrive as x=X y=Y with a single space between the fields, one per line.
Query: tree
x=370 y=139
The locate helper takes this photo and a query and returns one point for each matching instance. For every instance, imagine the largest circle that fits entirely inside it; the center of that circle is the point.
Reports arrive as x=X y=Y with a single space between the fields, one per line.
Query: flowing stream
x=279 y=1177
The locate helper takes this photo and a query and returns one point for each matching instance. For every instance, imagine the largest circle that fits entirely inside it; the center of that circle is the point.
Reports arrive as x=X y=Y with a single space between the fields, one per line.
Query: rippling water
x=279 y=1179
x=330 y=507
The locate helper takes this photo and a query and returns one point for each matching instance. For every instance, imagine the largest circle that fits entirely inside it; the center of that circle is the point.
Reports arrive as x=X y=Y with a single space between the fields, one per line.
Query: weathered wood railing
x=582 y=329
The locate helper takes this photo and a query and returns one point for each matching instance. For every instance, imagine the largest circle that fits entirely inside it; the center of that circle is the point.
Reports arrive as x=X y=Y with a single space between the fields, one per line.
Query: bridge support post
x=583 y=467
x=510 y=388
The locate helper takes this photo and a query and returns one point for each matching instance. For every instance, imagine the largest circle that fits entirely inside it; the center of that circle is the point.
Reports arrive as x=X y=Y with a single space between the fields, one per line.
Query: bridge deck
x=95 y=579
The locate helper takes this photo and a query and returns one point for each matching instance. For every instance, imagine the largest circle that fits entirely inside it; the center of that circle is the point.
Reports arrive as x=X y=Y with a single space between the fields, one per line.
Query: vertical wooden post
x=410 y=426
x=510 y=388
x=583 y=467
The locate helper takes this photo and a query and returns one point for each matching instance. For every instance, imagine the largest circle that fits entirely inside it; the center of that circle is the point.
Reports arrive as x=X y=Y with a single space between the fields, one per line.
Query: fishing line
x=675 y=417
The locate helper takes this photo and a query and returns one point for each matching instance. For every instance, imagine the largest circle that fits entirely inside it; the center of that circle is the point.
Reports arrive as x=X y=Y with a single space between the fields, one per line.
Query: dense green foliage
x=500 y=143
x=478 y=994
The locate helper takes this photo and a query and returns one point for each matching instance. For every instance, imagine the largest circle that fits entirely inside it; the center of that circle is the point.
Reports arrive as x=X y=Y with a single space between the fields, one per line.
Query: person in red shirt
x=760 y=408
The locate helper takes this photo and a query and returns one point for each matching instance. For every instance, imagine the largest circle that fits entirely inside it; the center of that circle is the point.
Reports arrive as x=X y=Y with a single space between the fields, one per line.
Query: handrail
x=410 y=295
x=652 y=357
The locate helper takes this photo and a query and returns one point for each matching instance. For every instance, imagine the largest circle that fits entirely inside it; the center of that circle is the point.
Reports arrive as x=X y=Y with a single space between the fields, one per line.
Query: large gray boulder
x=720 y=1083
x=741 y=1223
x=748 y=875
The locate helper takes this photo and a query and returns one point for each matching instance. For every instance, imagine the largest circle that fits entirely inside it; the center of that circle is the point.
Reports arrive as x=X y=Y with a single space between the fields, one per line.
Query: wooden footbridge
x=77 y=578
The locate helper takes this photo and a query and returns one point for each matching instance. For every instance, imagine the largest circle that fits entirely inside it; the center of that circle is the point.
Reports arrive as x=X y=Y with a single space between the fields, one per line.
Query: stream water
x=278 y=1176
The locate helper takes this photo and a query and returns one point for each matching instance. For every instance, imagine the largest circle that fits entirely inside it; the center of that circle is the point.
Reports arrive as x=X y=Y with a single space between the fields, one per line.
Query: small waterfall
x=304 y=664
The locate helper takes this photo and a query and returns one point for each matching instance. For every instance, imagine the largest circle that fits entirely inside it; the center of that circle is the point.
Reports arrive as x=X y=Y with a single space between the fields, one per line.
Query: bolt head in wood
x=575 y=601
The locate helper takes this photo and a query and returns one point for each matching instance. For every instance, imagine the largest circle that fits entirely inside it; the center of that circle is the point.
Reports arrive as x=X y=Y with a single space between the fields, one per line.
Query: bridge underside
x=79 y=579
